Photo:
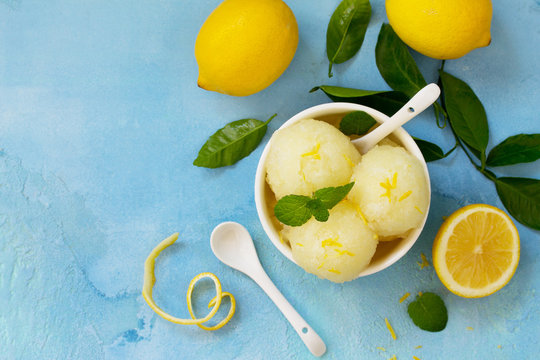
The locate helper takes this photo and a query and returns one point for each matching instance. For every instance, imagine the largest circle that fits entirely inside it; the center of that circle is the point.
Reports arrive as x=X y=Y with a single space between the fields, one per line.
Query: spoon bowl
x=232 y=245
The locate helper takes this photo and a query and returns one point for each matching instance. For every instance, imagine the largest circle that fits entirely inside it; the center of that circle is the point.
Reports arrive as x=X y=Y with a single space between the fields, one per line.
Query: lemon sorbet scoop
x=307 y=156
x=391 y=190
x=338 y=249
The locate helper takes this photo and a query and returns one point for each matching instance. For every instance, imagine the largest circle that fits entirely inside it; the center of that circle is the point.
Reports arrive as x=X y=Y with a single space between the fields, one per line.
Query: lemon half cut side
x=476 y=251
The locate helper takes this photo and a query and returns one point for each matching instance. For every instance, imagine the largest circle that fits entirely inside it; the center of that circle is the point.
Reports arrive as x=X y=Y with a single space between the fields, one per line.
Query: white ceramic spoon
x=418 y=103
x=232 y=245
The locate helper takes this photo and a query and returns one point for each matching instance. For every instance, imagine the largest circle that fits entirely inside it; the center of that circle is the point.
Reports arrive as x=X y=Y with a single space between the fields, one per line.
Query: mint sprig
x=428 y=312
x=296 y=210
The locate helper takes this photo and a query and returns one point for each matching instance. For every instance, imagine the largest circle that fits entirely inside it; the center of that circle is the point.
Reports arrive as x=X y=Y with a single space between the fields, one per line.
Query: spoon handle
x=418 y=103
x=310 y=338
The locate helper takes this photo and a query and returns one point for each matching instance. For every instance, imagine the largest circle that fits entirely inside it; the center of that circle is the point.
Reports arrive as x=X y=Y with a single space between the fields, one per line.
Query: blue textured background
x=100 y=120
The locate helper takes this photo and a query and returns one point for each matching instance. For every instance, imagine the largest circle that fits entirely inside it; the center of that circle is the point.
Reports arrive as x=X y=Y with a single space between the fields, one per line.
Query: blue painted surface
x=100 y=120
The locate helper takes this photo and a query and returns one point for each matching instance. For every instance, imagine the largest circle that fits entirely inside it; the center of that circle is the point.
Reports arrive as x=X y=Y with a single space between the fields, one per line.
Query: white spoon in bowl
x=418 y=103
x=233 y=246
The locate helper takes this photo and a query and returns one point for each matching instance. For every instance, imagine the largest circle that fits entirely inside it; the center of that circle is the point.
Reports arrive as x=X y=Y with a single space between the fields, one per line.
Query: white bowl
x=388 y=252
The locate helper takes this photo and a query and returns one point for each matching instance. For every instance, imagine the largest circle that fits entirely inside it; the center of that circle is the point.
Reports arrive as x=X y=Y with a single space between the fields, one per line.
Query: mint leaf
x=428 y=312
x=318 y=210
x=293 y=210
x=296 y=210
x=330 y=196
x=356 y=123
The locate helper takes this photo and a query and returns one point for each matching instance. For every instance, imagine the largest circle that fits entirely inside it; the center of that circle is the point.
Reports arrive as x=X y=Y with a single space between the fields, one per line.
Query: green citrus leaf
x=476 y=153
x=293 y=210
x=466 y=113
x=430 y=151
x=346 y=31
x=232 y=143
x=356 y=123
x=396 y=64
x=428 y=312
x=521 y=197
x=522 y=148
x=387 y=102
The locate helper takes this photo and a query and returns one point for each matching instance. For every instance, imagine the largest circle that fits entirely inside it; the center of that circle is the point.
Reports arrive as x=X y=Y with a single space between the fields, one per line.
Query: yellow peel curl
x=150 y=279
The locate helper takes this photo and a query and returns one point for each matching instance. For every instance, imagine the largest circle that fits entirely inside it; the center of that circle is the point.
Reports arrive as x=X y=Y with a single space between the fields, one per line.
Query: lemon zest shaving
x=499 y=346
x=361 y=214
x=405 y=296
x=332 y=270
x=392 y=332
x=424 y=262
x=332 y=257
x=418 y=347
x=351 y=164
x=321 y=265
x=150 y=279
x=420 y=293
x=331 y=242
x=344 y=252
x=415 y=358
x=281 y=238
x=393 y=357
x=389 y=186
x=381 y=348
x=299 y=244
x=469 y=328
x=406 y=195
x=418 y=209
x=314 y=153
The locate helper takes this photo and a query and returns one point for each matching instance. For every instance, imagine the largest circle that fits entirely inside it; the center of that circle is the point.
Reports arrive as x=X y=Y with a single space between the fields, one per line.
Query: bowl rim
x=328 y=109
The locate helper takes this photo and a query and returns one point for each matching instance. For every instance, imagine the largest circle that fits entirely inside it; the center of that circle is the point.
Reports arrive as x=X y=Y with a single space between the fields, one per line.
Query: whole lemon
x=441 y=29
x=245 y=45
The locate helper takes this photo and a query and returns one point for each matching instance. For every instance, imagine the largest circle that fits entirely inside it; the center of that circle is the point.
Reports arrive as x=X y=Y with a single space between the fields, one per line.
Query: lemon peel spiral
x=150 y=279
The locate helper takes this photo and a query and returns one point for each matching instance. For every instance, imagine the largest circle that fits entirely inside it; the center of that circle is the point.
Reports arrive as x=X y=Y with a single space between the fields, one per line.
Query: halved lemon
x=476 y=251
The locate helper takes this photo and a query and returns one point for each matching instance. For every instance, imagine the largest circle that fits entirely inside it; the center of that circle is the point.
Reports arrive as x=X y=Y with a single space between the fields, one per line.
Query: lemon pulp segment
x=476 y=251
